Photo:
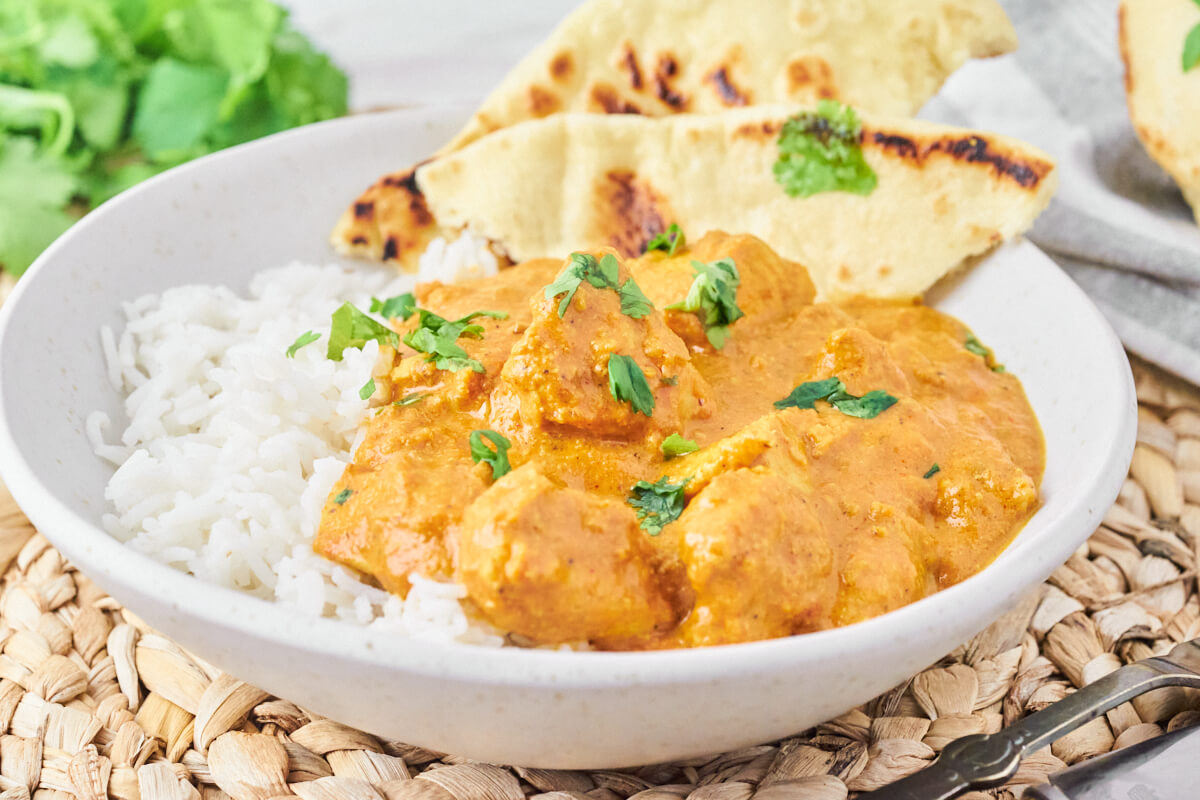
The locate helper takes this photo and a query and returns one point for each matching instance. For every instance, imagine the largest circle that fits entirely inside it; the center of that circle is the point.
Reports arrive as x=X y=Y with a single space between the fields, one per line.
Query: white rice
x=232 y=448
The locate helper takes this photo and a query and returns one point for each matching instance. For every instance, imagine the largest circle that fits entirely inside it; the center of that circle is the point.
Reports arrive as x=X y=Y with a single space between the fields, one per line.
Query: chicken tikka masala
x=677 y=450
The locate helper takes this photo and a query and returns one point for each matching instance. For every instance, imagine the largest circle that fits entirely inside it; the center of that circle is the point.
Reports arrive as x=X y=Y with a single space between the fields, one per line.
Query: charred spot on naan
x=811 y=74
x=629 y=63
x=727 y=91
x=606 y=99
x=562 y=66
x=542 y=101
x=972 y=149
x=630 y=212
x=389 y=221
x=665 y=72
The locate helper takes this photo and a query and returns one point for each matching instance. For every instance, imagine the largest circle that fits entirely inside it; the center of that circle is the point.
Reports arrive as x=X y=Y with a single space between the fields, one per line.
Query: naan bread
x=552 y=186
x=659 y=57
x=1164 y=101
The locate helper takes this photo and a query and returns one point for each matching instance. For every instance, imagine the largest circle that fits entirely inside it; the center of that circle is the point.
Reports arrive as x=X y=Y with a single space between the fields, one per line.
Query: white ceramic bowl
x=266 y=203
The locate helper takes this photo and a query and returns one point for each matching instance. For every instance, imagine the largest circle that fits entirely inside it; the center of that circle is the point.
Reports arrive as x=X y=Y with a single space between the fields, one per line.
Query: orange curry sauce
x=795 y=520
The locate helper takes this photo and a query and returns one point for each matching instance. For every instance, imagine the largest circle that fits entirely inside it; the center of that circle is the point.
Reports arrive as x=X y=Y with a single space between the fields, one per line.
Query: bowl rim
x=272 y=623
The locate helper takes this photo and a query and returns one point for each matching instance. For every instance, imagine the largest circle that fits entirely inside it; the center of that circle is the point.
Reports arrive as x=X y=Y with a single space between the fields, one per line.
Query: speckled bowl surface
x=218 y=219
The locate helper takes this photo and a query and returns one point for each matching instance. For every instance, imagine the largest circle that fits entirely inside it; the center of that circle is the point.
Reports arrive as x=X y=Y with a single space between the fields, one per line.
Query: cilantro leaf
x=821 y=151
x=303 y=340
x=438 y=337
x=658 y=504
x=602 y=274
x=807 y=394
x=833 y=391
x=977 y=347
x=675 y=445
x=402 y=306
x=367 y=390
x=934 y=470
x=869 y=406
x=341 y=497
x=1191 y=49
x=713 y=297
x=627 y=383
x=670 y=240
x=496 y=459
x=352 y=328
x=176 y=106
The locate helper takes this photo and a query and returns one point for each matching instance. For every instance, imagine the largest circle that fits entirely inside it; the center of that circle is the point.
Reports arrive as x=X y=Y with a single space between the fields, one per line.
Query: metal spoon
x=986 y=761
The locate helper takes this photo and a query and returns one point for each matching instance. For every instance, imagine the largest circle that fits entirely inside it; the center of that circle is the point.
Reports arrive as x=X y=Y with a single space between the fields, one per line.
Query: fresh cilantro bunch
x=821 y=151
x=97 y=95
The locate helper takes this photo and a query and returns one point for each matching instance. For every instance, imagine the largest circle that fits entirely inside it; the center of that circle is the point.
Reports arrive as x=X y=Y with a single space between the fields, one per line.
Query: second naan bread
x=659 y=57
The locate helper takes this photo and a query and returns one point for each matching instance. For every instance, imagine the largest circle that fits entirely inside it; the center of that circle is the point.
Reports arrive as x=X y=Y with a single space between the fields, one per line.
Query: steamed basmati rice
x=232 y=447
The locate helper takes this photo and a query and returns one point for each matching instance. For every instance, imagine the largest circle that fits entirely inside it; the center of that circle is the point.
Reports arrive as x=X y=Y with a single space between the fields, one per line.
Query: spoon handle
x=986 y=761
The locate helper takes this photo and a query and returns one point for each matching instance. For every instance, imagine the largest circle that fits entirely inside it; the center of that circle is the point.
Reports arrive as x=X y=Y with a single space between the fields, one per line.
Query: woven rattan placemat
x=93 y=704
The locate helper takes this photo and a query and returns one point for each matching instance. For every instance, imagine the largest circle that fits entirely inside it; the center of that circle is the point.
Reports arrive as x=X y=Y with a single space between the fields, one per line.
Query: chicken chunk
x=556 y=564
x=560 y=373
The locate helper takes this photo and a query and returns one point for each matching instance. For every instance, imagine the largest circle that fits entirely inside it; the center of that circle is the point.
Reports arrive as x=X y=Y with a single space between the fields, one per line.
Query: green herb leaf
x=627 y=383
x=869 y=406
x=807 y=394
x=833 y=391
x=496 y=459
x=438 y=337
x=341 y=497
x=602 y=274
x=304 y=339
x=934 y=470
x=1191 y=49
x=352 y=328
x=670 y=241
x=675 y=445
x=821 y=151
x=402 y=306
x=176 y=106
x=977 y=347
x=713 y=297
x=658 y=504
x=409 y=399
x=367 y=390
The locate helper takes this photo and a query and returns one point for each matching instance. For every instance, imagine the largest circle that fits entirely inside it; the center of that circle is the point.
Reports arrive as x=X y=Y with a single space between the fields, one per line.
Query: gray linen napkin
x=1118 y=224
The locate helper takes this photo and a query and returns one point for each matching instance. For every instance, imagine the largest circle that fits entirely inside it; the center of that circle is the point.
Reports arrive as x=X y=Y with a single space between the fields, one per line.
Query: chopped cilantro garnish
x=341 y=497
x=367 y=390
x=496 y=459
x=675 y=445
x=352 y=328
x=628 y=384
x=658 y=504
x=670 y=241
x=934 y=470
x=304 y=339
x=671 y=381
x=821 y=151
x=977 y=347
x=402 y=306
x=601 y=274
x=410 y=399
x=833 y=391
x=438 y=337
x=713 y=297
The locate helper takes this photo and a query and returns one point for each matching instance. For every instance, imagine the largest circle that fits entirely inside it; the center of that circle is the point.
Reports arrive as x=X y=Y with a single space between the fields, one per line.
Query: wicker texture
x=93 y=704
